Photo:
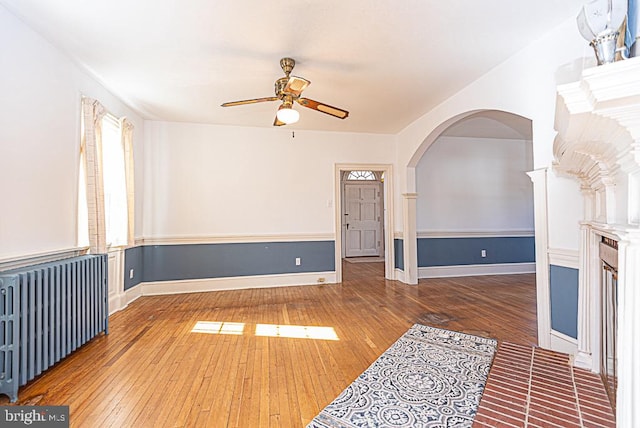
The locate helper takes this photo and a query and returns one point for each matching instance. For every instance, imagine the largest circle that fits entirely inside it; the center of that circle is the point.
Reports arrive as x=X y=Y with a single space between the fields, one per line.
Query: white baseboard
x=474 y=270
x=122 y=300
x=131 y=294
x=115 y=303
x=583 y=360
x=236 y=283
x=399 y=275
x=562 y=343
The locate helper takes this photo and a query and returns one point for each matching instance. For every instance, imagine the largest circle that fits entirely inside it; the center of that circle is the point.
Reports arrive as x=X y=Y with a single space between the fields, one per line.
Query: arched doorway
x=474 y=203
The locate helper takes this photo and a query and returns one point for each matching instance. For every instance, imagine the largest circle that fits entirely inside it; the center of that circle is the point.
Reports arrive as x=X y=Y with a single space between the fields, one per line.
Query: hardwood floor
x=154 y=370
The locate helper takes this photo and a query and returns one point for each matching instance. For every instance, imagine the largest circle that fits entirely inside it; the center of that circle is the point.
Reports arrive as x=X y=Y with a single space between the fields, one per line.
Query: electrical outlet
x=297 y=261
x=483 y=253
x=130 y=273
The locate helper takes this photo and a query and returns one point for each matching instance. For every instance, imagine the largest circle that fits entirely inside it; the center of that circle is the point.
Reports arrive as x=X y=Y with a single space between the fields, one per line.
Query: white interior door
x=362 y=219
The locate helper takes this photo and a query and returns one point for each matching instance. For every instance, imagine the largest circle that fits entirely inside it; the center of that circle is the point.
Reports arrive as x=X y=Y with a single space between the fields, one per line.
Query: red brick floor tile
x=513 y=413
x=590 y=424
x=603 y=411
x=555 y=413
x=539 y=388
x=536 y=422
x=488 y=421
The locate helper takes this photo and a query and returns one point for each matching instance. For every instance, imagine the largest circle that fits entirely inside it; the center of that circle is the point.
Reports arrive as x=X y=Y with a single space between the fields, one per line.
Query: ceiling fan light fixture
x=287 y=115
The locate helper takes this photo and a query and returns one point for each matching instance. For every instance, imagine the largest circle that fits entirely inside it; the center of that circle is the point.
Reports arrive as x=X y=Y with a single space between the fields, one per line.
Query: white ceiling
x=386 y=61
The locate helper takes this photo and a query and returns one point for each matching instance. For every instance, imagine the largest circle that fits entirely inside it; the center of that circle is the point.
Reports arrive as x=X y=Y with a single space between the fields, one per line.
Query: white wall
x=475 y=184
x=210 y=180
x=525 y=84
x=563 y=194
x=40 y=91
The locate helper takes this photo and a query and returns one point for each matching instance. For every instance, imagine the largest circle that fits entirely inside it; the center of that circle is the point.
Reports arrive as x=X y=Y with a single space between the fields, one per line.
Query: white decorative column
x=539 y=179
x=586 y=301
x=598 y=143
x=628 y=410
x=410 y=238
x=588 y=285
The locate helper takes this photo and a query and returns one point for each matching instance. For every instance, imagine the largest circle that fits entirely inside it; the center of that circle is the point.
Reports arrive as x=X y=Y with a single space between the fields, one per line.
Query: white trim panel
x=236 y=283
x=475 y=270
x=475 y=233
x=562 y=343
x=564 y=258
x=16 y=262
x=219 y=239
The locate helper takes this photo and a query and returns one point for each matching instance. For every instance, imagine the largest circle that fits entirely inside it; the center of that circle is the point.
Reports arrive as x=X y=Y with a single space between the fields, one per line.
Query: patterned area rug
x=428 y=378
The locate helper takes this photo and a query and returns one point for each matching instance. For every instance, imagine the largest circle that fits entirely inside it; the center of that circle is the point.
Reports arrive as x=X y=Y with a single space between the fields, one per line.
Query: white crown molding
x=564 y=258
x=598 y=124
x=495 y=233
x=476 y=270
x=221 y=239
x=236 y=283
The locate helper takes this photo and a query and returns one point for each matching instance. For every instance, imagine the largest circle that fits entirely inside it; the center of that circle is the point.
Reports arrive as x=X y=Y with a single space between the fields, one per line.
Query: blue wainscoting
x=202 y=261
x=398 y=248
x=133 y=259
x=563 y=284
x=467 y=251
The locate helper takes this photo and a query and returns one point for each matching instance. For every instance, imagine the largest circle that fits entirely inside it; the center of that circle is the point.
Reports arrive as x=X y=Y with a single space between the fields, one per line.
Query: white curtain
x=92 y=114
x=127 y=144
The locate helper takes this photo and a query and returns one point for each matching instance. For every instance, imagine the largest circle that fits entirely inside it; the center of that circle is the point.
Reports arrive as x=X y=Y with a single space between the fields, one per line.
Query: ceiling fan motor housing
x=287 y=65
x=280 y=85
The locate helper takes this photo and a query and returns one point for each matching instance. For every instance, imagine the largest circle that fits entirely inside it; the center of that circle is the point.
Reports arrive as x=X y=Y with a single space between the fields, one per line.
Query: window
x=361 y=175
x=114 y=181
x=105 y=185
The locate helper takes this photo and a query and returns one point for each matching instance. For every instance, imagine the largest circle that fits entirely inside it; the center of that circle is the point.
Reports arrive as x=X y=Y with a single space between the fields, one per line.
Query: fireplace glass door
x=609 y=311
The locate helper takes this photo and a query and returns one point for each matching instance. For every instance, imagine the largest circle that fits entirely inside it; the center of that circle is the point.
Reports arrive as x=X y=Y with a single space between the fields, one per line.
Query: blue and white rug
x=428 y=378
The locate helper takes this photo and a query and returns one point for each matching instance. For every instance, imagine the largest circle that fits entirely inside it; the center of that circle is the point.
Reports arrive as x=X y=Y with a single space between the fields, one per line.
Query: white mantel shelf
x=598 y=143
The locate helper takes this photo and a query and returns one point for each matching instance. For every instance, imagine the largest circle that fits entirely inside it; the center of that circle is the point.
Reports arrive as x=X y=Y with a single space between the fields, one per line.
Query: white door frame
x=379 y=186
x=388 y=224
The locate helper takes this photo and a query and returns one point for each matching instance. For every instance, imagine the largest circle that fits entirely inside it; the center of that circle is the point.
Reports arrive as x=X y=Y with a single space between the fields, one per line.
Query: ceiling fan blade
x=324 y=108
x=295 y=85
x=277 y=122
x=253 y=101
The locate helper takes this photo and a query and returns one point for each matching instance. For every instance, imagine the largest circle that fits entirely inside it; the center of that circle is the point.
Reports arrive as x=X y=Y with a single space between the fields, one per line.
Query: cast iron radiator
x=48 y=311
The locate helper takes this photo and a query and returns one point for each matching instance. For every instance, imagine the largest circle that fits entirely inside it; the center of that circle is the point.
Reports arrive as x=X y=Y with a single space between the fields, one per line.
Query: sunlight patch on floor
x=267 y=330
x=296 y=331
x=211 y=327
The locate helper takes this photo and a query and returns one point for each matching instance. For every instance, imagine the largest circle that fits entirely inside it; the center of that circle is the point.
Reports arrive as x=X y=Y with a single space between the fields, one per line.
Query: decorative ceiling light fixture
x=599 y=22
x=286 y=114
x=289 y=89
